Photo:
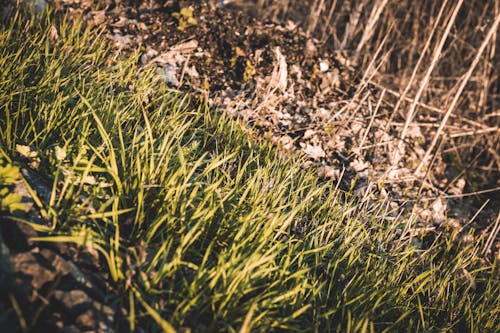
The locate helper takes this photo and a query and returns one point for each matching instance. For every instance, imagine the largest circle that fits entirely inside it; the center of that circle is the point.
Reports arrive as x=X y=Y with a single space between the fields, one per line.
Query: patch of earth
x=51 y=287
x=303 y=96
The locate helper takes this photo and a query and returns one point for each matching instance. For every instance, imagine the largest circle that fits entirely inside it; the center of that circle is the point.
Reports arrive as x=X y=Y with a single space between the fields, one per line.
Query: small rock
x=27 y=265
x=72 y=299
x=86 y=319
x=105 y=310
x=323 y=66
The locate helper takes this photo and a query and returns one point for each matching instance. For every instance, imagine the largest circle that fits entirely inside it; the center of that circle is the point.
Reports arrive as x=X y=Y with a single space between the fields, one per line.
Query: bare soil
x=307 y=98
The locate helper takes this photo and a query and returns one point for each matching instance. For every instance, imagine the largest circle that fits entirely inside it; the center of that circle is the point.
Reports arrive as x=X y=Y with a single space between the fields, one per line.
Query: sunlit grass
x=202 y=226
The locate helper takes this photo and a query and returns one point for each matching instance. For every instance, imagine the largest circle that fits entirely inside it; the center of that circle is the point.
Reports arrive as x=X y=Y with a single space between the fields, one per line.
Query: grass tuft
x=202 y=226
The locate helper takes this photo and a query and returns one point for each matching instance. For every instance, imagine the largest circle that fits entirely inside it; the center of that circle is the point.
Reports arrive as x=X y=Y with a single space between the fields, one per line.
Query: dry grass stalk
x=458 y=94
x=372 y=21
x=430 y=69
x=494 y=232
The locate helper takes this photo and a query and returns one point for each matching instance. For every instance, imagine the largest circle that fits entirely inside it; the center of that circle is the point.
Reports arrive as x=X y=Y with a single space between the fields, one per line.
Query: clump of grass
x=200 y=225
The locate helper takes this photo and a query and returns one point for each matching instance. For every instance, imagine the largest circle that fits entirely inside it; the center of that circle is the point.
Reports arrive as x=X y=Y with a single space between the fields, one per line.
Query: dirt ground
x=301 y=94
x=298 y=92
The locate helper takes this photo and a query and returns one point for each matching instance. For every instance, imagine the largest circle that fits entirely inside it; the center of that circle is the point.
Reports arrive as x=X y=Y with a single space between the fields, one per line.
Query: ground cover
x=150 y=211
x=341 y=83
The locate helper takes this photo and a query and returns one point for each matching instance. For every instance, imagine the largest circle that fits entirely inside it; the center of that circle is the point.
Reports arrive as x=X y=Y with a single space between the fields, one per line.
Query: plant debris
x=302 y=94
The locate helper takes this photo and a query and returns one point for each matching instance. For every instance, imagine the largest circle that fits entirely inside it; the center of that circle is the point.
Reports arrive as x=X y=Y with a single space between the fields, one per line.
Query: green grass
x=202 y=226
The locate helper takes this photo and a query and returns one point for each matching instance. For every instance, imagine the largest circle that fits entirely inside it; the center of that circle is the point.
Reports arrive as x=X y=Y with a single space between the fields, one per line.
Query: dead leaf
x=26 y=151
x=53 y=34
x=359 y=165
x=314 y=152
x=120 y=40
x=60 y=153
x=192 y=72
x=97 y=17
x=122 y=21
x=169 y=75
x=177 y=54
x=186 y=47
x=89 y=180
x=148 y=55
x=280 y=72
x=438 y=211
x=414 y=131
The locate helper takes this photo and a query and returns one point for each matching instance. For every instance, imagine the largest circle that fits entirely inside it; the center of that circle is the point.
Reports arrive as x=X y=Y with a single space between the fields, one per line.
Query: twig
x=492 y=236
x=427 y=173
x=406 y=98
x=469 y=133
x=464 y=82
x=184 y=70
x=377 y=107
x=450 y=196
x=475 y=215
x=435 y=58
